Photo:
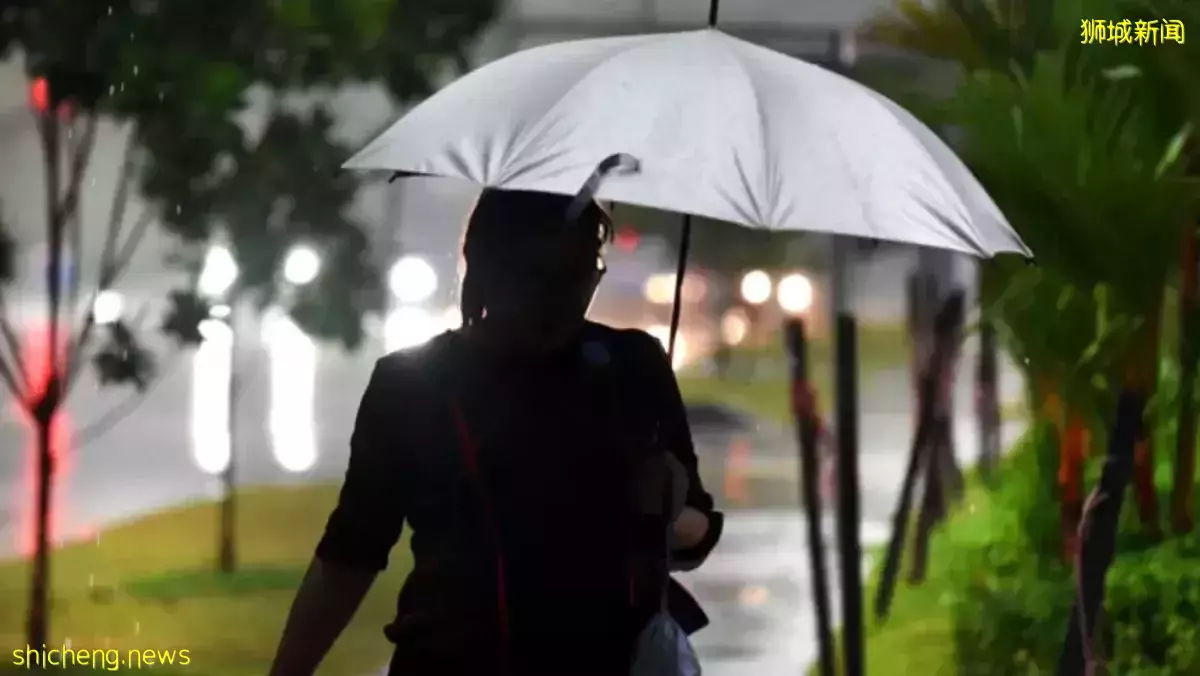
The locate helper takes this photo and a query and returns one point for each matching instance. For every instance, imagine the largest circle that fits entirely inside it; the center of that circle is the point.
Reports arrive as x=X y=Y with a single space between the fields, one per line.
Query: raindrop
x=160 y=97
x=122 y=86
x=91 y=580
x=137 y=628
x=93 y=182
x=135 y=70
x=178 y=209
x=111 y=90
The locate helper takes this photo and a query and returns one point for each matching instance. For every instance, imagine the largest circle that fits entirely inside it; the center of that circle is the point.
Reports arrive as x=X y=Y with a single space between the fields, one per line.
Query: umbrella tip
x=1031 y=262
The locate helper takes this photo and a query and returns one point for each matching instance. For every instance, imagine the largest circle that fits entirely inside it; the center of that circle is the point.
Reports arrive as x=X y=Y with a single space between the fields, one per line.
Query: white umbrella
x=721 y=128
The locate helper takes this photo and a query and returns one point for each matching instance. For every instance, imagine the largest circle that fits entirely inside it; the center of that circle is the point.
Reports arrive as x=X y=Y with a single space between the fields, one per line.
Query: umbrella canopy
x=720 y=127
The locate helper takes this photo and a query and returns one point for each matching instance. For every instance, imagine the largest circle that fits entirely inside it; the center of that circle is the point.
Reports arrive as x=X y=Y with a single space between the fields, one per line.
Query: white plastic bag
x=663 y=649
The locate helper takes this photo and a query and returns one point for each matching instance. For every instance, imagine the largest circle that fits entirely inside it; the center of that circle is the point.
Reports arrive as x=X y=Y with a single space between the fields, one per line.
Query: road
x=298 y=415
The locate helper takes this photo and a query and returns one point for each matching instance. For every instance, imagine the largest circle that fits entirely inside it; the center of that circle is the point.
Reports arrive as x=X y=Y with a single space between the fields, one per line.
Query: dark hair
x=504 y=220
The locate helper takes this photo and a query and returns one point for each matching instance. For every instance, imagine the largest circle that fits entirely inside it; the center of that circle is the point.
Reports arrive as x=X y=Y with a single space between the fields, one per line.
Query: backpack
x=662 y=647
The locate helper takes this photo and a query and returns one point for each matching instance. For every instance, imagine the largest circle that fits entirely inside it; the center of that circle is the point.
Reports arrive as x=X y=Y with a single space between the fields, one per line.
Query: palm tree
x=1000 y=46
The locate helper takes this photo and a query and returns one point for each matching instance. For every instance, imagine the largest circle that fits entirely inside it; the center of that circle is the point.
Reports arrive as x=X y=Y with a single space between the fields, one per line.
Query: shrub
x=1013 y=595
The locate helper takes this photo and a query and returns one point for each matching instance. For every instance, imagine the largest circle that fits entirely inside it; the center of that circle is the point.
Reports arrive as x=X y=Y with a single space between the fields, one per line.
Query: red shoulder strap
x=470 y=456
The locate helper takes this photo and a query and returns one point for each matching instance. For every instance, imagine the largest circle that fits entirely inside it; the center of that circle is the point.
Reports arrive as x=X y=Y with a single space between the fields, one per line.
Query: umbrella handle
x=624 y=162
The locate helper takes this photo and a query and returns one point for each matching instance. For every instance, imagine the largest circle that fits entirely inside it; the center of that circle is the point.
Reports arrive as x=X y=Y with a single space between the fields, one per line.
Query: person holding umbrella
x=542 y=461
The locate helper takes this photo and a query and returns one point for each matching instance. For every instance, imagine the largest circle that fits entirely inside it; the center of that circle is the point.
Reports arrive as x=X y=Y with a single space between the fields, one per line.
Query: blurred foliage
x=186 y=311
x=1079 y=147
x=1007 y=590
x=121 y=360
x=182 y=75
x=286 y=188
x=1086 y=149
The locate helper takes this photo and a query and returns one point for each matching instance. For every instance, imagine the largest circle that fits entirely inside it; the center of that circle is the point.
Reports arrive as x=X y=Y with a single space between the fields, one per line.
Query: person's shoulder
x=421 y=360
x=639 y=343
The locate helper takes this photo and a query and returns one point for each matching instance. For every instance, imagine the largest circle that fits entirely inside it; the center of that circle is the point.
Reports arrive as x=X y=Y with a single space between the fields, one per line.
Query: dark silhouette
x=533 y=454
x=804 y=414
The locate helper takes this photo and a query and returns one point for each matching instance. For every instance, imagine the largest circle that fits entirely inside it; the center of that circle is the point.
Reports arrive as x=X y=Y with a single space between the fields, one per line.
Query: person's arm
x=698 y=526
x=360 y=533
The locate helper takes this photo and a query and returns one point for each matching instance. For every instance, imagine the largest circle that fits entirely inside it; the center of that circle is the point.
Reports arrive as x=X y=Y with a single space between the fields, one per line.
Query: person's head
x=531 y=274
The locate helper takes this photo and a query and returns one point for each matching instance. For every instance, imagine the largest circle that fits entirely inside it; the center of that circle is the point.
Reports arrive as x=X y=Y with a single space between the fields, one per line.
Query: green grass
x=919 y=635
x=881 y=346
x=150 y=585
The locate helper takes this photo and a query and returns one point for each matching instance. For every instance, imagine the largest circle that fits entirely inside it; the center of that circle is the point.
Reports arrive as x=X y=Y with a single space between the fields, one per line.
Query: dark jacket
x=555 y=440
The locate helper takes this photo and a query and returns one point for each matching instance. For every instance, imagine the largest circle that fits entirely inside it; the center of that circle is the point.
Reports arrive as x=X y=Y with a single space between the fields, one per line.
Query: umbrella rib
x=974 y=238
x=770 y=169
x=524 y=139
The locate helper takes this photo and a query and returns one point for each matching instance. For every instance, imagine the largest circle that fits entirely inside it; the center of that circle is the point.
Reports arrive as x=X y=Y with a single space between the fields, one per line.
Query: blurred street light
x=409 y=327
x=756 y=287
x=795 y=294
x=663 y=334
x=293 y=362
x=219 y=273
x=660 y=289
x=735 y=326
x=108 y=307
x=302 y=265
x=212 y=370
x=412 y=280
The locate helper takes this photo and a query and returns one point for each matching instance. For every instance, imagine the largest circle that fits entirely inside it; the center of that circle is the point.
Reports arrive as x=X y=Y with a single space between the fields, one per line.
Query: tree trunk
x=1183 y=490
x=804 y=414
x=1100 y=535
x=934 y=500
x=227 y=528
x=987 y=401
x=1142 y=376
x=38 y=629
x=1072 y=451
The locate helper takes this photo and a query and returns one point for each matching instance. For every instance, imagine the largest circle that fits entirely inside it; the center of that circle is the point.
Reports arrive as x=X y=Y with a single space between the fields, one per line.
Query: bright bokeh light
x=412 y=280
x=409 y=327
x=302 y=265
x=39 y=95
x=735 y=326
x=795 y=294
x=660 y=289
x=754 y=595
x=756 y=287
x=292 y=355
x=219 y=273
x=211 y=369
x=108 y=307
x=663 y=334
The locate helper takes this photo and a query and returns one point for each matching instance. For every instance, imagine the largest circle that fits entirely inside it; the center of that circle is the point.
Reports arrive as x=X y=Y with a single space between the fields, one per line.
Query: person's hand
x=661 y=477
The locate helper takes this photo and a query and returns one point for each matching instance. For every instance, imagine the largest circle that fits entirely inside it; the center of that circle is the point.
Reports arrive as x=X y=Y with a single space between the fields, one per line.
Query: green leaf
x=1174 y=152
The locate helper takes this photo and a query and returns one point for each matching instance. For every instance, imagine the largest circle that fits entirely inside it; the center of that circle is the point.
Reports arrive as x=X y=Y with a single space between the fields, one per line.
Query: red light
x=37 y=361
x=627 y=239
x=39 y=95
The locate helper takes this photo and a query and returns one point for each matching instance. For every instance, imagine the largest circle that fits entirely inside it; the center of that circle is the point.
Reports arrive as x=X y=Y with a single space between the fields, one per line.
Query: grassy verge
x=150 y=585
x=881 y=346
x=918 y=635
